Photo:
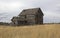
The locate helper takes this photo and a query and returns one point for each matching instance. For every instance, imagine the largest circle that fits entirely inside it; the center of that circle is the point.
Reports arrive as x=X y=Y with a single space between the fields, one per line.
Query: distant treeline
x=3 y=23
x=51 y=23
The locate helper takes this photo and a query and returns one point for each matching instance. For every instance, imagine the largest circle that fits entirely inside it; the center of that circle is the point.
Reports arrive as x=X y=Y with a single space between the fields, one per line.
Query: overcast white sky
x=10 y=8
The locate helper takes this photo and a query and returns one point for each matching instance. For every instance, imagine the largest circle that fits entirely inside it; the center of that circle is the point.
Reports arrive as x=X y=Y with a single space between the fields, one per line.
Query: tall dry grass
x=37 y=31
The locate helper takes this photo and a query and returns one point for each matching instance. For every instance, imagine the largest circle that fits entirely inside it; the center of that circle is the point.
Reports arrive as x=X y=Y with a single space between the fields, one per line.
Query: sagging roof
x=30 y=11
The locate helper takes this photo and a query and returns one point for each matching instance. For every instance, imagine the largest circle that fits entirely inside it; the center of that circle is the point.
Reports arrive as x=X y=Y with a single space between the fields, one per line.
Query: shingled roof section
x=30 y=11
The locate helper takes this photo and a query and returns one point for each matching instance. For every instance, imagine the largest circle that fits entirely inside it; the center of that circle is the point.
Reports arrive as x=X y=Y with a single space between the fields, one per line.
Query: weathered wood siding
x=30 y=16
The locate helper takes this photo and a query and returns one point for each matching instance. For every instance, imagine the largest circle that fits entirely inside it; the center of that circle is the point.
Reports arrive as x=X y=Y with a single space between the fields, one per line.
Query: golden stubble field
x=36 y=31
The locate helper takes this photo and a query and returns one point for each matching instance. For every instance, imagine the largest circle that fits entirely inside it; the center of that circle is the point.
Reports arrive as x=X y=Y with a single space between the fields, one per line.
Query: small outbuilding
x=29 y=16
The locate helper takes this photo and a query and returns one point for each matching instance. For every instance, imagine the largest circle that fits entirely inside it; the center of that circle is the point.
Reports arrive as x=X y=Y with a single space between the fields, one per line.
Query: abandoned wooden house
x=29 y=16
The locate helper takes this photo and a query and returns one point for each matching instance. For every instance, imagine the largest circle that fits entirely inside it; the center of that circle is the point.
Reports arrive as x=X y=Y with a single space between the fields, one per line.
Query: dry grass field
x=36 y=31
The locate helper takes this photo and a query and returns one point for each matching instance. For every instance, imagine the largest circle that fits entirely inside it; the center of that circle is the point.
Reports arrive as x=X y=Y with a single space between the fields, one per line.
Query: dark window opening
x=22 y=22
